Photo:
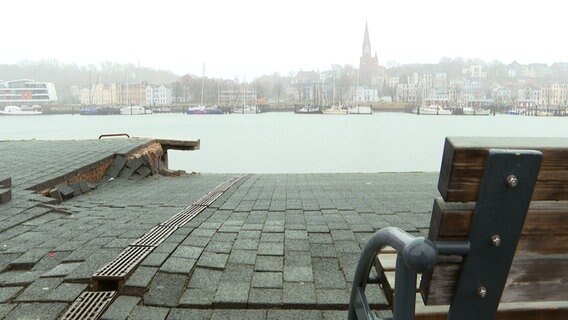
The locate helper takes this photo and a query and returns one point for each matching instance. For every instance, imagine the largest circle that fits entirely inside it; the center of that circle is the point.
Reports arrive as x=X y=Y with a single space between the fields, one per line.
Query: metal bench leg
x=415 y=255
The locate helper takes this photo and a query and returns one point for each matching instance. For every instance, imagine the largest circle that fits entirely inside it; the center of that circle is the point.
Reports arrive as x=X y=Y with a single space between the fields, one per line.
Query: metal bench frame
x=503 y=200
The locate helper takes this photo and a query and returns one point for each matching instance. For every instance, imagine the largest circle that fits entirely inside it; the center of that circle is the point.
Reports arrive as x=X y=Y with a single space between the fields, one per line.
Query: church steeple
x=366 y=42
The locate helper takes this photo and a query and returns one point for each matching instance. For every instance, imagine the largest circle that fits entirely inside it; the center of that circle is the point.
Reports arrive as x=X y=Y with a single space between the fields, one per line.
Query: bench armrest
x=415 y=255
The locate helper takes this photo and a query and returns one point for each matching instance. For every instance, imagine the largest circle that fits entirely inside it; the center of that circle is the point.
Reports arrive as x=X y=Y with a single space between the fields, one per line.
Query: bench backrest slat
x=539 y=269
x=464 y=159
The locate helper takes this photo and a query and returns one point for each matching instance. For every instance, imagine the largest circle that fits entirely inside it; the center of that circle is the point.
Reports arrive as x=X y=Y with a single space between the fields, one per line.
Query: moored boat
x=308 y=109
x=361 y=110
x=134 y=110
x=335 y=110
x=18 y=111
x=204 y=110
x=434 y=110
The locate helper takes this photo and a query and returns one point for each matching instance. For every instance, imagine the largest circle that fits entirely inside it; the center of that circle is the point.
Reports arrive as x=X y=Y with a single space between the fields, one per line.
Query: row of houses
x=114 y=94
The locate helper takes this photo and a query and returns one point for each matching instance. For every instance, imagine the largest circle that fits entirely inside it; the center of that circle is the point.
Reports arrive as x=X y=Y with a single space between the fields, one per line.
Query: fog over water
x=291 y=143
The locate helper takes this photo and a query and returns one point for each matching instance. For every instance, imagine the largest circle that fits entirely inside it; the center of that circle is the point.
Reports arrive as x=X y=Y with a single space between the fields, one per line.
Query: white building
x=158 y=95
x=367 y=94
x=27 y=92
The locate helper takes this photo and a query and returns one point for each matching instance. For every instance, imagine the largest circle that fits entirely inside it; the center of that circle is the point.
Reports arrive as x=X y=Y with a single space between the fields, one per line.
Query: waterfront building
x=132 y=94
x=158 y=95
x=99 y=95
x=27 y=92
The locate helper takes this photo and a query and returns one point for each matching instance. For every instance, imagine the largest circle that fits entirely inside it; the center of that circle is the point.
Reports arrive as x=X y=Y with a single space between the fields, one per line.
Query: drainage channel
x=109 y=280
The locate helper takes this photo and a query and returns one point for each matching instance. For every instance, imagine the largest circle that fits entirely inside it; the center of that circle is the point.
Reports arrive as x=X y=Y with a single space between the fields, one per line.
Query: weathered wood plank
x=536 y=310
x=538 y=270
x=463 y=162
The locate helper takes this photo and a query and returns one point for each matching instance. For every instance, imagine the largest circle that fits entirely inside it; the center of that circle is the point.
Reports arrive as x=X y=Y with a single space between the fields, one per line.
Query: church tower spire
x=368 y=65
x=366 y=42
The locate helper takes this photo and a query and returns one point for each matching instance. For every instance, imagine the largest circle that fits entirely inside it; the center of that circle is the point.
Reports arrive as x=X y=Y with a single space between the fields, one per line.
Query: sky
x=249 y=38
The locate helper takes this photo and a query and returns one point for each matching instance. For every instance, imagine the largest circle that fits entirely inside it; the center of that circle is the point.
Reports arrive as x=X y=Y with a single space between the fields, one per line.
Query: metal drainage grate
x=180 y=219
x=208 y=198
x=155 y=236
x=114 y=273
x=89 y=305
x=192 y=209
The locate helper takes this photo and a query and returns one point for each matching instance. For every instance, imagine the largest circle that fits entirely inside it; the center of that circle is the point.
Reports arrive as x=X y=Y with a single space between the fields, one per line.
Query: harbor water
x=291 y=143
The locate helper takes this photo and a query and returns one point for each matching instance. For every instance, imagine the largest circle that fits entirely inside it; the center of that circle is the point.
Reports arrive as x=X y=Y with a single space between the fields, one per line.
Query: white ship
x=134 y=110
x=17 y=111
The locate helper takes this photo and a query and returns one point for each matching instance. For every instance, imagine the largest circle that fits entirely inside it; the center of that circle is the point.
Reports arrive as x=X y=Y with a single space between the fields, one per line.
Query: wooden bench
x=497 y=246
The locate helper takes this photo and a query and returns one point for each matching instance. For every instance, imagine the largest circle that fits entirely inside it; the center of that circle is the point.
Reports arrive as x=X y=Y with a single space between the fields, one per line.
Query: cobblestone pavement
x=271 y=247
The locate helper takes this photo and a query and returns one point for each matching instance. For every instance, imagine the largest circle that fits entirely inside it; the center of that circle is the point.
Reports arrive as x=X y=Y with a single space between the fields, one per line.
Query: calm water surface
x=290 y=143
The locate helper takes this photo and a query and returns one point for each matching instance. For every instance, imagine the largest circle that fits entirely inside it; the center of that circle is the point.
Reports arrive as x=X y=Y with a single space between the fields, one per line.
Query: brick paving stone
x=338 y=315
x=298 y=259
x=187 y=252
x=299 y=293
x=238 y=315
x=19 y=278
x=329 y=280
x=38 y=290
x=178 y=265
x=295 y=235
x=237 y=273
x=7 y=293
x=205 y=278
x=298 y=274
x=154 y=259
x=5 y=309
x=196 y=241
x=263 y=297
x=29 y=259
x=267 y=280
x=342 y=235
x=293 y=314
x=322 y=250
x=268 y=263
x=185 y=314
x=249 y=234
x=320 y=238
x=242 y=256
x=165 y=290
x=232 y=294
x=268 y=227
x=213 y=260
x=296 y=245
x=120 y=308
x=246 y=244
x=333 y=298
x=271 y=249
x=61 y=270
x=347 y=246
x=137 y=283
x=67 y=292
x=197 y=298
x=272 y=237
x=39 y=311
x=224 y=237
x=219 y=247
x=148 y=313
x=205 y=233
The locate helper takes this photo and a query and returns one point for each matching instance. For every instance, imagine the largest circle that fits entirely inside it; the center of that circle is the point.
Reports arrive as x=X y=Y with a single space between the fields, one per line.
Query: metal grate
x=89 y=305
x=114 y=273
x=208 y=199
x=155 y=236
x=183 y=217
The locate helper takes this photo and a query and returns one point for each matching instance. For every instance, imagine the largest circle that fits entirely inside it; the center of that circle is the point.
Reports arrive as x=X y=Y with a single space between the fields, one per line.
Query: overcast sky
x=249 y=38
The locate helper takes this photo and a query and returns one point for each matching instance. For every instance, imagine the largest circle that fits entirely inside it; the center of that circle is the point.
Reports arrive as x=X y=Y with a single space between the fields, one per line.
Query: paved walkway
x=271 y=247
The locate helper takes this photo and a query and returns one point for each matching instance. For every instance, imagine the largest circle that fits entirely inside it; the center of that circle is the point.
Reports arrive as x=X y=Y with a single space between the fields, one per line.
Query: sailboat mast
x=202 y=83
